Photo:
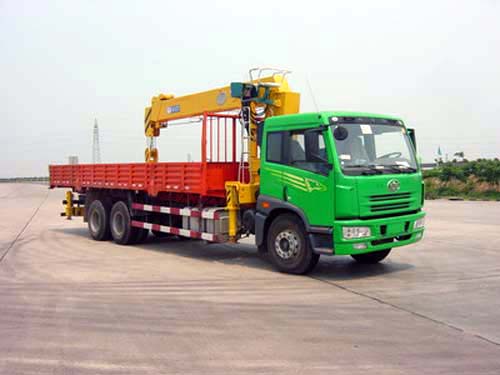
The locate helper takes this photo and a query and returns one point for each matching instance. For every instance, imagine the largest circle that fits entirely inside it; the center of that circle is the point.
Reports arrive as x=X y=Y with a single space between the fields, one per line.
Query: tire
x=371 y=258
x=98 y=220
x=141 y=235
x=119 y=221
x=288 y=247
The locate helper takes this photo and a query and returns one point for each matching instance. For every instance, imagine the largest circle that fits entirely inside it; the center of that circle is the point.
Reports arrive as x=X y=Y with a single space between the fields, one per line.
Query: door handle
x=285 y=193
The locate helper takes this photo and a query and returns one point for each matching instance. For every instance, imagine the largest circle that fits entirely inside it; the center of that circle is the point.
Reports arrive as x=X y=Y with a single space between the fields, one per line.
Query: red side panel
x=178 y=177
x=204 y=179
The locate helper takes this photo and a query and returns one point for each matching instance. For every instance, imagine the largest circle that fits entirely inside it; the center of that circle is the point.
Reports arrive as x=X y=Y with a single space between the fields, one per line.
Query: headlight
x=356 y=232
x=419 y=223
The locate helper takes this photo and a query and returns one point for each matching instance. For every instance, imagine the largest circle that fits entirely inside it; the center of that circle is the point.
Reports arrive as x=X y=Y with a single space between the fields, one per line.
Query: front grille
x=386 y=202
x=387 y=197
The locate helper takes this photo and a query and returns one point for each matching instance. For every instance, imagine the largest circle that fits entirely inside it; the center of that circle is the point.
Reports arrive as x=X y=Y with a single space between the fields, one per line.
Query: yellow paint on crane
x=69 y=209
x=167 y=107
x=69 y=204
x=232 y=206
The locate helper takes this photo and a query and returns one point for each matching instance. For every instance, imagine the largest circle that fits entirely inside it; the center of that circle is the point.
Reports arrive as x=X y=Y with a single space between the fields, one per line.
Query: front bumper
x=387 y=232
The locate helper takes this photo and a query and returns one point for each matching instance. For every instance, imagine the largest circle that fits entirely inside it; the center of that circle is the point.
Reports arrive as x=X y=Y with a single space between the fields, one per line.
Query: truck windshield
x=374 y=149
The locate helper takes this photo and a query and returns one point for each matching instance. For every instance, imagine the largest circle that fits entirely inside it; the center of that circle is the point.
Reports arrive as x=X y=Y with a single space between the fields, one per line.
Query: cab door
x=271 y=167
x=307 y=175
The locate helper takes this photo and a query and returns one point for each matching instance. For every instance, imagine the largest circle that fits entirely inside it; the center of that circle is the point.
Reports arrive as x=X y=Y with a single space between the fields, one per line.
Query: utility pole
x=96 y=151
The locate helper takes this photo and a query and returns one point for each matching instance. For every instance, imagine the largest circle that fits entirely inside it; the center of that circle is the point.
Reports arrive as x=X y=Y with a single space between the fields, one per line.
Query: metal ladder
x=244 y=166
x=255 y=76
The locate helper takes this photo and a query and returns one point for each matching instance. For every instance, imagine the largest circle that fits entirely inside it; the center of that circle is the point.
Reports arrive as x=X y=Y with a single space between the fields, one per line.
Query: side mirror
x=411 y=134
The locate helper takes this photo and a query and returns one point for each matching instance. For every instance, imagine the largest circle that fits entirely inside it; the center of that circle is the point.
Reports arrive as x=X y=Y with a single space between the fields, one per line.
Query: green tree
x=450 y=171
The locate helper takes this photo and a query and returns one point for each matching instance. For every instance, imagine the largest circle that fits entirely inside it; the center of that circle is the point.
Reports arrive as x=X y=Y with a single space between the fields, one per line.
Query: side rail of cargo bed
x=209 y=224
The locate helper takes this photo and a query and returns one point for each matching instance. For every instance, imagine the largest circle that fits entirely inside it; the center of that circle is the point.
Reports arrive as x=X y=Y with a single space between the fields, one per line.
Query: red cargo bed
x=204 y=179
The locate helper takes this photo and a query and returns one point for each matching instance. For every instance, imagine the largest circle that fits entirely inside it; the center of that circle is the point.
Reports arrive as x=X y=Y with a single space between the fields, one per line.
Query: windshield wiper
x=394 y=168
x=372 y=168
x=401 y=168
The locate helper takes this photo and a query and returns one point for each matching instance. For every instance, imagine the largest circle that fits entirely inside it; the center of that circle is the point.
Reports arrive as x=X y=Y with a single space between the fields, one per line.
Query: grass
x=471 y=189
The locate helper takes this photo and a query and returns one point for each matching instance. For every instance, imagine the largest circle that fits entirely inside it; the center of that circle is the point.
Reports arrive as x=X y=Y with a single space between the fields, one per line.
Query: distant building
x=73 y=159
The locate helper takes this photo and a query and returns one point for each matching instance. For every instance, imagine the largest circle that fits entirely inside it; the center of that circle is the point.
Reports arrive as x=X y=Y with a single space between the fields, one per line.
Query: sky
x=435 y=63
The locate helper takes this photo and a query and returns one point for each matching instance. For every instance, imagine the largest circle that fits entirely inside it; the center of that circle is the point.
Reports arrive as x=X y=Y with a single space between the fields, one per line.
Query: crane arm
x=271 y=93
x=166 y=108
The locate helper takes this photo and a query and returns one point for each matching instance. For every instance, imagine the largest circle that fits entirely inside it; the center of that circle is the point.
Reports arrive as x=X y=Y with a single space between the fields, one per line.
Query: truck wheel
x=98 y=220
x=122 y=232
x=288 y=248
x=371 y=258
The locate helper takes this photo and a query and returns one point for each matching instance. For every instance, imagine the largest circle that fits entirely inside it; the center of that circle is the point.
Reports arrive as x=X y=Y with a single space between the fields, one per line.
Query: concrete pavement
x=69 y=305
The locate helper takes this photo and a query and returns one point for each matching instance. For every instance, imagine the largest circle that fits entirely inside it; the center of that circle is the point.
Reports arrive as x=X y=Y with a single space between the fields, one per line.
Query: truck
x=303 y=184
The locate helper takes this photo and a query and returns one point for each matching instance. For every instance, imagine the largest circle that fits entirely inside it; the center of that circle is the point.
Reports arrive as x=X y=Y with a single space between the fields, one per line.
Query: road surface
x=69 y=305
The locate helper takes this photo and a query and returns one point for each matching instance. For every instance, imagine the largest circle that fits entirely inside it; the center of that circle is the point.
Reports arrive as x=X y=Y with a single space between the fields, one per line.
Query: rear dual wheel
x=98 y=220
x=122 y=231
x=106 y=221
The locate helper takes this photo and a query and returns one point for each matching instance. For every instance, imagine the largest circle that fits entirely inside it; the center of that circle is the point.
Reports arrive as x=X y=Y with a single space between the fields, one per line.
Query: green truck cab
x=337 y=183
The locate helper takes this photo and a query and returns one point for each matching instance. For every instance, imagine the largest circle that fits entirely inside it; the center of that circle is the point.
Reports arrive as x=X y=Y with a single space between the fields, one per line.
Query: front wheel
x=371 y=258
x=288 y=247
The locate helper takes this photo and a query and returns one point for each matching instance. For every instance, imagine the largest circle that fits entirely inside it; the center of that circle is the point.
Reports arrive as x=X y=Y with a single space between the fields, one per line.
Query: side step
x=179 y=231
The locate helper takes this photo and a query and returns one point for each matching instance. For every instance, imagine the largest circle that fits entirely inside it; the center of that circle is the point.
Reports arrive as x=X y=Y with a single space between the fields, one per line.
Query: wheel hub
x=95 y=221
x=287 y=244
x=119 y=224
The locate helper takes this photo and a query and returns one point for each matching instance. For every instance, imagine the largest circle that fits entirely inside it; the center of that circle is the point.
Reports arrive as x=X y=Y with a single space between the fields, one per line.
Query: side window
x=307 y=150
x=274 y=147
x=297 y=148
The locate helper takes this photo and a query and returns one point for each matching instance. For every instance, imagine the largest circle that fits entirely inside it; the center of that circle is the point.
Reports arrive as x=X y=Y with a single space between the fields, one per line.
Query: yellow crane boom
x=269 y=96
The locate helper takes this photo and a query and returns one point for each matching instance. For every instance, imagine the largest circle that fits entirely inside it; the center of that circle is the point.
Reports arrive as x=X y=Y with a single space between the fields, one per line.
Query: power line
x=96 y=150
x=312 y=93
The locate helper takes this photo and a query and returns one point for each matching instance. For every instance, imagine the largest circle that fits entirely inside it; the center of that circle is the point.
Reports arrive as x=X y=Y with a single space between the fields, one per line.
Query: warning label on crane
x=174 y=109
x=221 y=98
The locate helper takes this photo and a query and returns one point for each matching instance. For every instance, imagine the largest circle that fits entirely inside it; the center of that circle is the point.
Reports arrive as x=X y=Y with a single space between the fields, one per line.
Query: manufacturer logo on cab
x=393 y=185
